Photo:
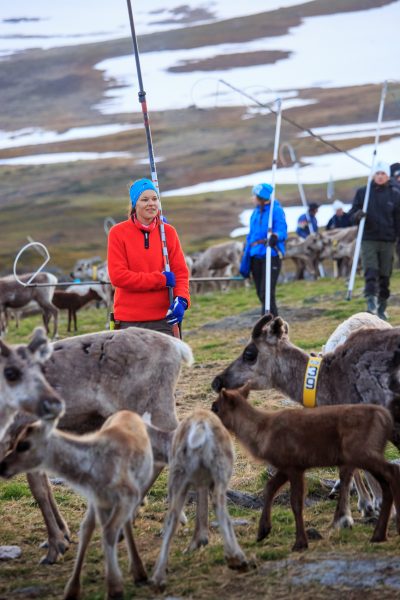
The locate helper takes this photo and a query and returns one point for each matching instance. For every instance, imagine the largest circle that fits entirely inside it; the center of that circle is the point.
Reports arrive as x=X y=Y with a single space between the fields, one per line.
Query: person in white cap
x=381 y=230
x=340 y=219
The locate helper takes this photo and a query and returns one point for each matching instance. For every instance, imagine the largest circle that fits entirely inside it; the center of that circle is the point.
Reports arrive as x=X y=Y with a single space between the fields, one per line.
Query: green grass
x=318 y=307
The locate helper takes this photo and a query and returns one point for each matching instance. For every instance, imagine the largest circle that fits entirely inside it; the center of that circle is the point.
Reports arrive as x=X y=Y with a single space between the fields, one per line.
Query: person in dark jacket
x=340 y=219
x=254 y=255
x=381 y=230
x=307 y=223
x=395 y=178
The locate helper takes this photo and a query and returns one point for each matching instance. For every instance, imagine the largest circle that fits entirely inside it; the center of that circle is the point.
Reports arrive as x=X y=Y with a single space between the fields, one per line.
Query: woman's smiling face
x=147 y=207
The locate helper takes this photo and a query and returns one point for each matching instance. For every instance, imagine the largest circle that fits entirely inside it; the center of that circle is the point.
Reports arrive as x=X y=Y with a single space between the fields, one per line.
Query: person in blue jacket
x=304 y=221
x=254 y=255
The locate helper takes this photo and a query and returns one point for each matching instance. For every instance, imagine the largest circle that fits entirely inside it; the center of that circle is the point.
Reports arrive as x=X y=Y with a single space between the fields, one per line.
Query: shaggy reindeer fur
x=22 y=384
x=295 y=440
x=111 y=467
x=201 y=455
x=98 y=374
x=363 y=320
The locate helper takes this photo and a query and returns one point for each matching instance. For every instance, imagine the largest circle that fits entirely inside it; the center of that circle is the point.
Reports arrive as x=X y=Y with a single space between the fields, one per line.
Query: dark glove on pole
x=272 y=240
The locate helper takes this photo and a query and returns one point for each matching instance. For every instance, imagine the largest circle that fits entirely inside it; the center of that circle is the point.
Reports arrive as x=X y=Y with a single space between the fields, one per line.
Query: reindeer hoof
x=377 y=539
x=115 y=595
x=141 y=579
x=263 y=533
x=195 y=544
x=299 y=546
x=237 y=563
x=158 y=585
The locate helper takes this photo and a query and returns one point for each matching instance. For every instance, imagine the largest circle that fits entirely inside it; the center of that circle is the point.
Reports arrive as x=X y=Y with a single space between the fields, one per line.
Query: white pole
x=267 y=304
x=366 y=197
x=303 y=198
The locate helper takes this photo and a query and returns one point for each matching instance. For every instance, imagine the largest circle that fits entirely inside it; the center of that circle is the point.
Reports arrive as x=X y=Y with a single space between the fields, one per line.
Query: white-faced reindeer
x=98 y=374
x=22 y=383
x=201 y=455
x=295 y=440
x=14 y=295
x=111 y=467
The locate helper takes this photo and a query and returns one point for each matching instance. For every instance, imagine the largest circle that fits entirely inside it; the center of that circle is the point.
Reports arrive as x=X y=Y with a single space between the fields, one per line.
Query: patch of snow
x=48 y=24
x=360 y=49
x=319 y=169
x=33 y=136
x=61 y=157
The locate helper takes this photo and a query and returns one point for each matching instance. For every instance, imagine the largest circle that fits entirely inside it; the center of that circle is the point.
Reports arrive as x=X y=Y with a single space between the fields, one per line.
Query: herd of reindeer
x=210 y=269
x=112 y=446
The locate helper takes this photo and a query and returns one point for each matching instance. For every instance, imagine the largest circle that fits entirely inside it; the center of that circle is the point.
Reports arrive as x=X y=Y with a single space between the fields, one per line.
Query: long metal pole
x=366 y=197
x=154 y=178
x=267 y=305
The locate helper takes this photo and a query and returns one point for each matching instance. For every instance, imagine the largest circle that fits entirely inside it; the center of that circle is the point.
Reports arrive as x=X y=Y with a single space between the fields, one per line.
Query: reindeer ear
x=245 y=389
x=279 y=328
x=260 y=325
x=40 y=346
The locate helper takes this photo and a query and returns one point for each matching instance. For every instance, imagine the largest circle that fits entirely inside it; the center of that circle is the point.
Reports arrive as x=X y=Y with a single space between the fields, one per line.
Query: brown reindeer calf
x=292 y=441
x=200 y=455
x=111 y=467
x=72 y=302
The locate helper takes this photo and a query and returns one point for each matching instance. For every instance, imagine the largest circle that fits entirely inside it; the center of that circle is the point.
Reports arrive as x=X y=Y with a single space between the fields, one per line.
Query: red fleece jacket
x=136 y=272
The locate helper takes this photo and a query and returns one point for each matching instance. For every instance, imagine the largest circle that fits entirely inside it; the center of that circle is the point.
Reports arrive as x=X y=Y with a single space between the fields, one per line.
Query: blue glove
x=170 y=277
x=176 y=311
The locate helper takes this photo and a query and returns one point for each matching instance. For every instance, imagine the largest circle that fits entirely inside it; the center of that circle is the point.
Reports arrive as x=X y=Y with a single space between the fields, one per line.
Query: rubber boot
x=372 y=302
x=382 y=314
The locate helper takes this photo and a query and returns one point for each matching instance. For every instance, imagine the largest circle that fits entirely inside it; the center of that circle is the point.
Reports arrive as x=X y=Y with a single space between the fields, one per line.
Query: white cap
x=338 y=204
x=382 y=166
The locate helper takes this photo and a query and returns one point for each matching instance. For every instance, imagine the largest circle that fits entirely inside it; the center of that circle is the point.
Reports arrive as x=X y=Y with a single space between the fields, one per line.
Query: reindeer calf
x=72 y=302
x=200 y=455
x=111 y=467
x=292 y=441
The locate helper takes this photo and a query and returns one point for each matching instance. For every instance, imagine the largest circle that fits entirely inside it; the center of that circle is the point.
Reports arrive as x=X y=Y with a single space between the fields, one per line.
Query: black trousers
x=162 y=326
x=377 y=259
x=257 y=269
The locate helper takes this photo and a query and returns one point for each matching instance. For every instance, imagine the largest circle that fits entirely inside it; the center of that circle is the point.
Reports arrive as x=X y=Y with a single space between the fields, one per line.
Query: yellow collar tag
x=94 y=273
x=310 y=381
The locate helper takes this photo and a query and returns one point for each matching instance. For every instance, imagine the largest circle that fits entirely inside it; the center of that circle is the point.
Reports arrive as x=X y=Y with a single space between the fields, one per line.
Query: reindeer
x=363 y=320
x=72 y=302
x=86 y=269
x=135 y=369
x=306 y=254
x=22 y=384
x=111 y=467
x=14 y=295
x=363 y=369
x=200 y=454
x=221 y=260
x=295 y=440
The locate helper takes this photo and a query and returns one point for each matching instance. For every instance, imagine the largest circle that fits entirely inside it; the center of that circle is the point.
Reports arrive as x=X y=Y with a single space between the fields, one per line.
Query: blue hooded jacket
x=259 y=231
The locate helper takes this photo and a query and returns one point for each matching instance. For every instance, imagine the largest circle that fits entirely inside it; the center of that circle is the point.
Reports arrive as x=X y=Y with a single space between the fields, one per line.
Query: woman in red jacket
x=136 y=266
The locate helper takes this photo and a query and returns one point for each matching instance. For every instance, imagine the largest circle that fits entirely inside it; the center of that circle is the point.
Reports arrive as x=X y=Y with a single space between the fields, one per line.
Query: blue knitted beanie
x=138 y=187
x=263 y=191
